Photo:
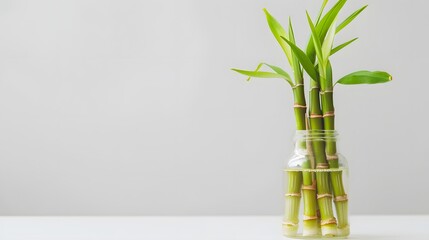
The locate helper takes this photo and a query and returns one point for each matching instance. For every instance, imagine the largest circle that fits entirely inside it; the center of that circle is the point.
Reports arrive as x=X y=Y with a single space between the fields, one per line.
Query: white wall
x=129 y=107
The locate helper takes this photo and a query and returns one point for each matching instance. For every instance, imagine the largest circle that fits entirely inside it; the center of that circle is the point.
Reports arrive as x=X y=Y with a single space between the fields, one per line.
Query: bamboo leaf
x=256 y=70
x=329 y=74
x=329 y=18
x=322 y=8
x=295 y=61
x=278 y=73
x=365 y=77
x=278 y=32
x=350 y=19
x=291 y=32
x=316 y=40
x=303 y=59
x=341 y=46
x=329 y=41
x=323 y=27
x=258 y=74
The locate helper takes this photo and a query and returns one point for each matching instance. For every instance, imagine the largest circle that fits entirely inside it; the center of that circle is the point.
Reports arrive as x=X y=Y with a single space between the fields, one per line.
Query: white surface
x=195 y=228
x=129 y=107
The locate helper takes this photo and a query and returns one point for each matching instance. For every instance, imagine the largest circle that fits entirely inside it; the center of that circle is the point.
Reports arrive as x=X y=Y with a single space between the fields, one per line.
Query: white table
x=195 y=228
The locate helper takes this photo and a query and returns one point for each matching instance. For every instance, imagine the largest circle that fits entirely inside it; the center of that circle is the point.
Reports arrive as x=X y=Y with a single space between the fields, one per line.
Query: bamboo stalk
x=328 y=221
x=291 y=221
x=292 y=202
x=310 y=219
x=340 y=196
x=311 y=224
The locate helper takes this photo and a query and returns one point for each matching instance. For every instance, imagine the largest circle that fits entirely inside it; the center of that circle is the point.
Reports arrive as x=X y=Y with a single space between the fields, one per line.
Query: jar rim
x=316 y=135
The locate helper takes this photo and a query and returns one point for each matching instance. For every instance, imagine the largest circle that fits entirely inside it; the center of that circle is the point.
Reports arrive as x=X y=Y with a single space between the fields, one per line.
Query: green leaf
x=303 y=59
x=328 y=19
x=291 y=32
x=278 y=32
x=256 y=70
x=258 y=74
x=329 y=74
x=278 y=73
x=350 y=19
x=295 y=61
x=365 y=77
x=322 y=8
x=323 y=27
x=341 y=46
x=316 y=41
x=329 y=41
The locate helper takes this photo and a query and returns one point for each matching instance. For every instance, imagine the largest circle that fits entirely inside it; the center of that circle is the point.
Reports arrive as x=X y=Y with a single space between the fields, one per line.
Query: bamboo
x=295 y=179
x=328 y=222
x=321 y=175
x=292 y=202
x=341 y=202
x=311 y=224
x=310 y=220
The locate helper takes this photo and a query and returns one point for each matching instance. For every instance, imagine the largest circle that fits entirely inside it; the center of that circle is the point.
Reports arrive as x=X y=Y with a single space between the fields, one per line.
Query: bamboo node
x=329 y=114
x=332 y=157
x=298 y=85
x=322 y=166
x=293 y=194
x=316 y=116
x=341 y=198
x=296 y=105
x=310 y=187
x=328 y=221
x=326 y=91
x=326 y=195
x=308 y=218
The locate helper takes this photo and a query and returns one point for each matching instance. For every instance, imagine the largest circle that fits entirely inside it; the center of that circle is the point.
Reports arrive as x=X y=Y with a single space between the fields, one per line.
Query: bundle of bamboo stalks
x=320 y=178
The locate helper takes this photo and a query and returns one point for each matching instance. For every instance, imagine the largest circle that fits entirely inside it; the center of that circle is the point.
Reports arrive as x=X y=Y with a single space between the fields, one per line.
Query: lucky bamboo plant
x=322 y=184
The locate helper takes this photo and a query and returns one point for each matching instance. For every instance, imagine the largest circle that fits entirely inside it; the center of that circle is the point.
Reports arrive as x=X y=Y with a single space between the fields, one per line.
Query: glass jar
x=316 y=187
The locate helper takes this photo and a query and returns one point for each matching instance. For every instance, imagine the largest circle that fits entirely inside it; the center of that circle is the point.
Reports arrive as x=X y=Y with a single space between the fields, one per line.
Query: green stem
x=323 y=184
x=341 y=202
x=300 y=107
x=311 y=221
x=292 y=202
x=310 y=227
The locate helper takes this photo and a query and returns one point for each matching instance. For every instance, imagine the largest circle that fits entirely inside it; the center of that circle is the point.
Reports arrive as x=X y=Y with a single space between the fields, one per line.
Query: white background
x=112 y=107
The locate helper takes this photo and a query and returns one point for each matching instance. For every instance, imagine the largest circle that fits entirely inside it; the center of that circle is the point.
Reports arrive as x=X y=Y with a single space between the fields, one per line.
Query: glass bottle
x=316 y=187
